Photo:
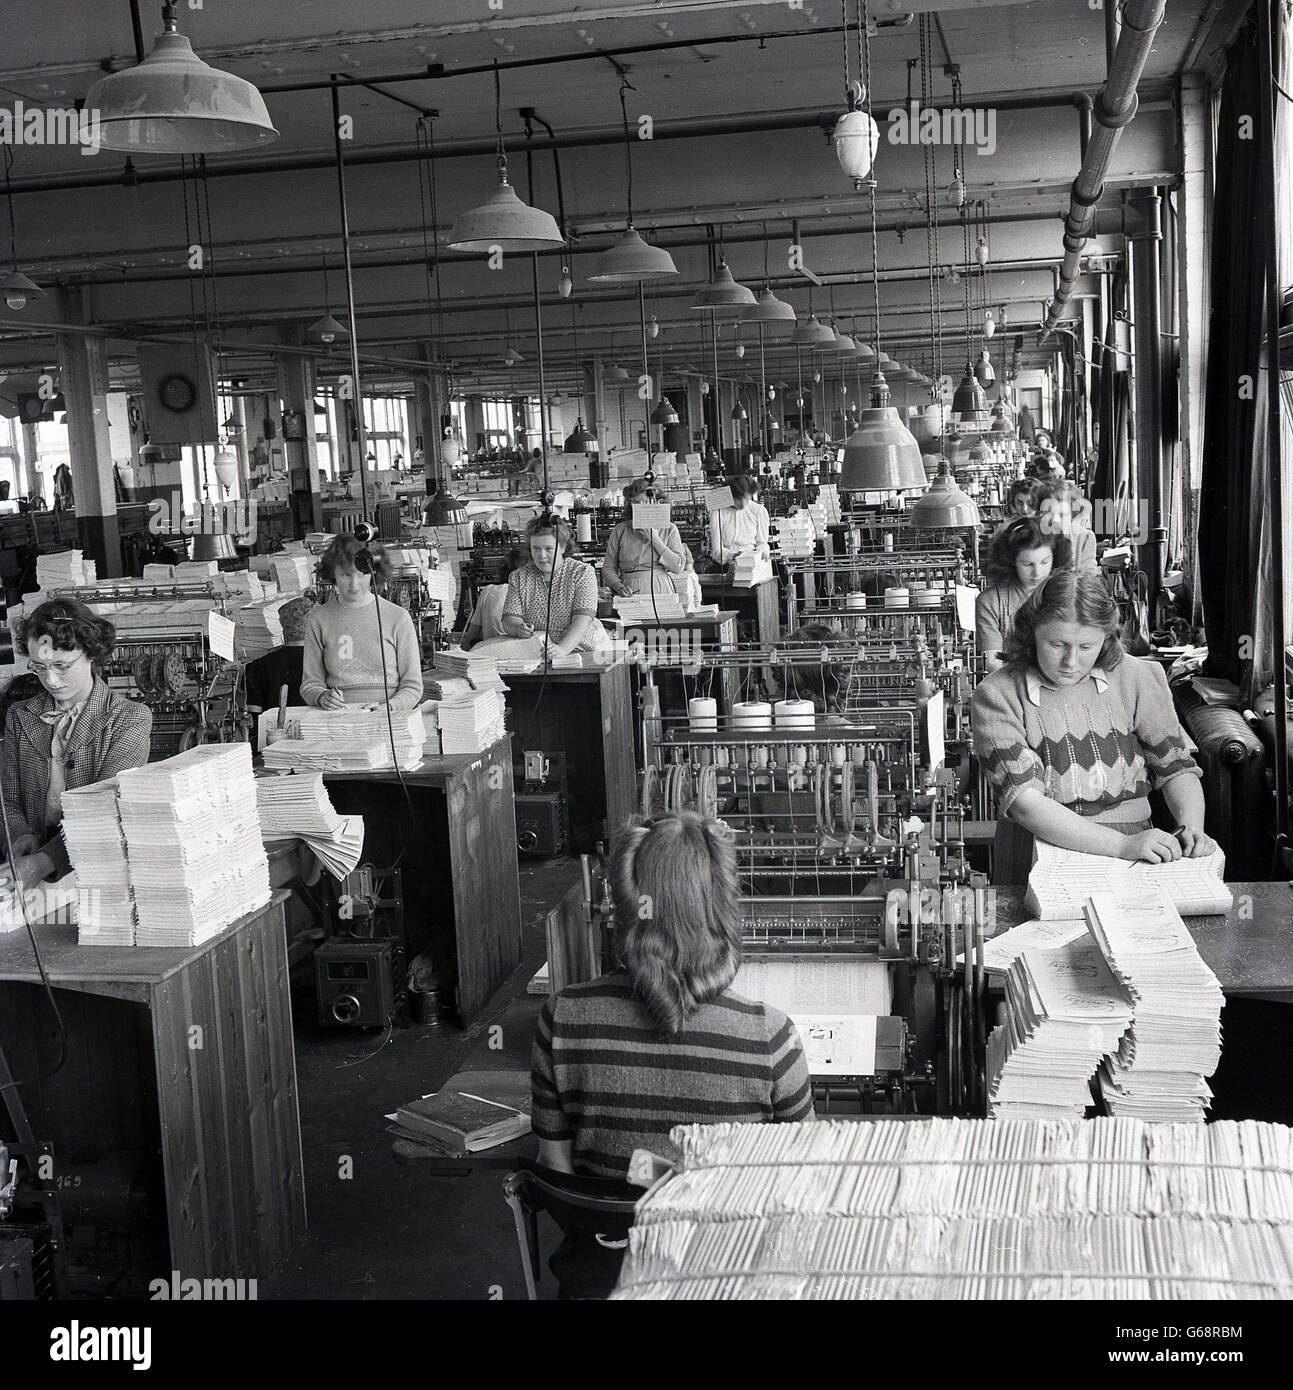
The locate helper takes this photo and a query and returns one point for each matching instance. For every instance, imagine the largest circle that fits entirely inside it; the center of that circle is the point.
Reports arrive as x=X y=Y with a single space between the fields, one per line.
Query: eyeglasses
x=55 y=668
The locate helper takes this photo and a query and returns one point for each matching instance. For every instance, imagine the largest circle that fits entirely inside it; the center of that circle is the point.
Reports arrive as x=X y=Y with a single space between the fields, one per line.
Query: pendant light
x=664 y=414
x=580 y=440
x=629 y=258
x=856 y=136
x=969 y=403
x=326 y=329
x=811 y=332
x=723 y=295
x=984 y=372
x=15 y=287
x=504 y=222
x=226 y=468
x=944 y=504
x=174 y=103
x=767 y=308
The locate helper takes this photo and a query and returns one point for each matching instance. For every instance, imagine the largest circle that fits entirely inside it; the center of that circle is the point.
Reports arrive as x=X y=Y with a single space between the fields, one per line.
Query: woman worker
x=1021 y=555
x=1074 y=734
x=1065 y=512
x=76 y=732
x=742 y=527
x=360 y=650
x=552 y=593
x=618 y=1061
x=642 y=562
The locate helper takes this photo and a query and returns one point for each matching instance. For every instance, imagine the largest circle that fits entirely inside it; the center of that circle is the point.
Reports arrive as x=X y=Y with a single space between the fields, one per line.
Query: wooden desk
x=459 y=873
x=588 y=715
x=189 y=1050
x=1249 y=955
x=758 y=608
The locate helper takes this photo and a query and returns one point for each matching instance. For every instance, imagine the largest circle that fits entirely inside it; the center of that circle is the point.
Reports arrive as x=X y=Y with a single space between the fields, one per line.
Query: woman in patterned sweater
x=1074 y=734
x=553 y=594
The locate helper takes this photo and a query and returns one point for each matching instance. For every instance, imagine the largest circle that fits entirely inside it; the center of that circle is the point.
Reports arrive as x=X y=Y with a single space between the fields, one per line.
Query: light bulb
x=989 y=324
x=740 y=349
x=565 y=284
x=16 y=300
x=817 y=376
x=327 y=337
x=772 y=393
x=956 y=192
x=654 y=327
x=981 y=252
x=1005 y=316
x=704 y=388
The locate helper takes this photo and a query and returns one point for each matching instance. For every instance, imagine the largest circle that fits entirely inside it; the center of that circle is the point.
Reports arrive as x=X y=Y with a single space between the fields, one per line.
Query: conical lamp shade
x=615 y=373
x=664 y=414
x=767 y=308
x=723 y=294
x=16 y=289
x=174 y=103
x=866 y=353
x=969 y=401
x=580 y=440
x=811 y=332
x=630 y=258
x=843 y=343
x=326 y=330
x=506 y=222
x=881 y=455
x=944 y=505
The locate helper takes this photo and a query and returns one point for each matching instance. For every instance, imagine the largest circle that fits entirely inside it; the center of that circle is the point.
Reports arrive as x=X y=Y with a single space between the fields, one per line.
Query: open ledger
x=1062 y=880
x=470 y=1112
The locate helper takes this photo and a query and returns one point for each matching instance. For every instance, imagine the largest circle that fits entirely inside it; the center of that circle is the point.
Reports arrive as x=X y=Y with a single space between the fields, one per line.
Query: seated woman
x=74 y=733
x=620 y=1060
x=552 y=593
x=486 y=621
x=360 y=650
x=1024 y=497
x=1021 y=555
x=1074 y=734
x=741 y=528
x=642 y=562
x=1065 y=512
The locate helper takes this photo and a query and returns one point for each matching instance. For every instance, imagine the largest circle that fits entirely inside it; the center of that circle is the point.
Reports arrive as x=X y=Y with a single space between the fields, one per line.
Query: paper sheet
x=651 y=516
x=838 y=1044
x=716 y=499
x=965 y=597
x=818 y=986
x=935 y=723
x=220 y=633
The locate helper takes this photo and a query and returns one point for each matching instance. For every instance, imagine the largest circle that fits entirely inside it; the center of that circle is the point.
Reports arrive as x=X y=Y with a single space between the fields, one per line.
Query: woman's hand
x=332 y=699
x=30 y=869
x=1194 y=843
x=1153 y=846
x=23 y=846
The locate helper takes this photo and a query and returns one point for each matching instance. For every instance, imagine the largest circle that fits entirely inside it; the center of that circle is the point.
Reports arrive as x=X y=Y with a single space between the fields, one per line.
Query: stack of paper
x=478 y=666
x=1175 y=1038
x=1000 y=953
x=1064 y=1013
x=196 y=571
x=472 y=724
x=749 y=571
x=259 y=629
x=292 y=573
x=46 y=904
x=1062 y=879
x=358 y=728
x=645 y=608
x=319 y=754
x=299 y=807
x=162 y=574
x=795 y=535
x=193 y=838
x=97 y=848
x=64 y=569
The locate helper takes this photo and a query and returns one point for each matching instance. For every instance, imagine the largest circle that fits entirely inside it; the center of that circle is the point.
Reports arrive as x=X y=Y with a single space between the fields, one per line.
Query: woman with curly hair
x=75 y=732
x=1021 y=555
x=553 y=594
x=360 y=649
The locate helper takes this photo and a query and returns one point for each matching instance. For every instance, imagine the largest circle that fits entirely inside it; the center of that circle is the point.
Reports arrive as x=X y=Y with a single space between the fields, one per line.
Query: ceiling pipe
x=1114 y=108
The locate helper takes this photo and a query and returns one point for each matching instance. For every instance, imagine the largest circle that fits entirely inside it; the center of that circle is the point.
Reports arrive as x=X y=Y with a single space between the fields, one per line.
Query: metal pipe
x=1147 y=245
x=356 y=397
x=137 y=28
x=1111 y=34
x=1082 y=101
x=1114 y=108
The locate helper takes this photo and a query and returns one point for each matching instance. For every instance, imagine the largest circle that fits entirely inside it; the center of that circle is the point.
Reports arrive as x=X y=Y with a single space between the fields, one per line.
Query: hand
x=525 y=630
x=1194 y=843
x=23 y=845
x=623 y=591
x=1153 y=846
x=31 y=869
x=332 y=699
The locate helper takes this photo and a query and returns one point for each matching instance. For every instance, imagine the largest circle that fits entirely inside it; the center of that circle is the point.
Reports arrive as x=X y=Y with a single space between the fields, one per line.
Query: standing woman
x=741 y=528
x=76 y=732
x=348 y=661
x=642 y=562
x=553 y=593
x=1074 y=734
x=1021 y=555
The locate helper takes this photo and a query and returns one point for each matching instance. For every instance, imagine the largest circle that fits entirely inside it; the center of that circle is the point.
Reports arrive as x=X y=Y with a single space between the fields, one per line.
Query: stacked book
x=193 y=839
x=1174 y=1043
x=794 y=535
x=298 y=807
x=97 y=848
x=472 y=1111
x=1062 y=879
x=1064 y=1013
x=470 y=724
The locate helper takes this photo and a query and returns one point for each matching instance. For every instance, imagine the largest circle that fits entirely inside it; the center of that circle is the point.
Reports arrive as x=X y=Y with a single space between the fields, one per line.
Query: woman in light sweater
x=360 y=650
x=1021 y=555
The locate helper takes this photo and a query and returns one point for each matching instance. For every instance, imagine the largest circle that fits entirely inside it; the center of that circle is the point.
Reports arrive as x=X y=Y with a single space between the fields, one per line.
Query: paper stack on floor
x=350 y=731
x=1175 y=1038
x=1061 y=880
x=470 y=724
x=97 y=848
x=1064 y=1013
x=299 y=806
x=193 y=839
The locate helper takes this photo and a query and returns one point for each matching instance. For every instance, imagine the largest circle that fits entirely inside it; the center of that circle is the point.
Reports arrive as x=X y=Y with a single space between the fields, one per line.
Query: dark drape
x=1228 y=540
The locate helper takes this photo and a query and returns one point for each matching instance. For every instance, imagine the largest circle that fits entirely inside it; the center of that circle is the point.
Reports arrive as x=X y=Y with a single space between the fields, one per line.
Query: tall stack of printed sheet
x=479 y=667
x=65 y=569
x=1064 y=1013
x=97 y=848
x=968 y=1209
x=299 y=807
x=470 y=723
x=193 y=839
x=259 y=628
x=794 y=535
x=293 y=573
x=1175 y=1038
x=196 y=571
x=345 y=740
x=645 y=608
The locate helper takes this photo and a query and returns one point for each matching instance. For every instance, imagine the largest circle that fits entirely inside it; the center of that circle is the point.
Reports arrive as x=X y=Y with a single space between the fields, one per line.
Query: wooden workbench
x=587 y=714
x=184 y=1049
x=458 y=861
x=758 y=607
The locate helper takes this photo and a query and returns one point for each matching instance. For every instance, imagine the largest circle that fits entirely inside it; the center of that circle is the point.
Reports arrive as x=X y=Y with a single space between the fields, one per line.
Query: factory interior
x=645 y=654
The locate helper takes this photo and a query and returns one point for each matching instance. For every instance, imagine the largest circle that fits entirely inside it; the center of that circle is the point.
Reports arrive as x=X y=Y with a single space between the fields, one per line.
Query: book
x=1061 y=880
x=472 y=1111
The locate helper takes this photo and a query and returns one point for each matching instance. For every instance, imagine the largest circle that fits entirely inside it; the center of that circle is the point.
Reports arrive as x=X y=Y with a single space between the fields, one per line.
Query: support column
x=1146 y=248
x=426 y=422
x=83 y=369
x=30 y=453
x=296 y=389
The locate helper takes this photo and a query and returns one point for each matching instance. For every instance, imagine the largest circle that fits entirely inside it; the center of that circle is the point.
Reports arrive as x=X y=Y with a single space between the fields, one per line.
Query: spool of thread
x=583 y=527
x=854 y=602
x=888 y=540
x=702 y=713
x=752 y=714
x=897 y=598
x=795 y=714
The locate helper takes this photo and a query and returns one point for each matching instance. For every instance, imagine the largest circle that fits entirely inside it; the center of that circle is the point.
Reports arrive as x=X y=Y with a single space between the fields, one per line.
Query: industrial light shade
x=811 y=332
x=630 y=258
x=580 y=440
x=614 y=372
x=866 y=353
x=856 y=138
x=511 y=357
x=1002 y=426
x=174 y=103
x=969 y=401
x=723 y=294
x=881 y=455
x=226 y=468
x=944 y=505
x=984 y=372
x=664 y=414
x=16 y=289
x=326 y=330
x=738 y=412
x=843 y=343
x=505 y=222
x=890 y=366
x=444 y=509
x=767 y=308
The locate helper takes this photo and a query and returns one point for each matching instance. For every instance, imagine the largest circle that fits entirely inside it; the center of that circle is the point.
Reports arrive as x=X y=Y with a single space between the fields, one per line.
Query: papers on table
x=645 y=608
x=353 y=739
x=320 y=754
x=479 y=666
x=470 y=723
x=43 y=904
x=259 y=628
x=193 y=841
x=748 y=570
x=299 y=806
x=1064 y=1013
x=97 y=848
x=1175 y=1039
x=1000 y=953
x=1062 y=879
x=65 y=569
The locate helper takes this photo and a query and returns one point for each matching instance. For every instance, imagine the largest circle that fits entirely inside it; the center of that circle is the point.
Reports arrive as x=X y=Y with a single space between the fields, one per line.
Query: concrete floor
x=390 y=1230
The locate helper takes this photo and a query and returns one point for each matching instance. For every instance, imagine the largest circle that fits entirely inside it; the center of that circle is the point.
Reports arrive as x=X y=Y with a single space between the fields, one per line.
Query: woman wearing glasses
x=76 y=732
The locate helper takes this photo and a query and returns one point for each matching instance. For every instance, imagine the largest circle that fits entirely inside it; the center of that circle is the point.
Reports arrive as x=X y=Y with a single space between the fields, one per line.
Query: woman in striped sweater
x=1074 y=734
